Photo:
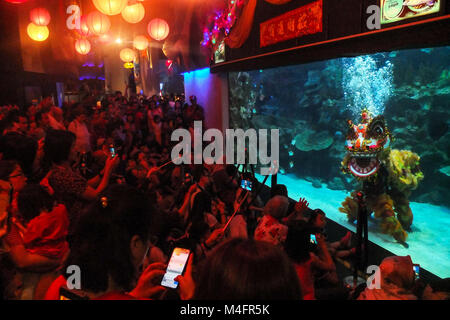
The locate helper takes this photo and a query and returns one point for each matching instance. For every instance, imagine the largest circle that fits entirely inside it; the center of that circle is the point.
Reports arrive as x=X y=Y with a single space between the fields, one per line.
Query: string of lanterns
x=98 y=24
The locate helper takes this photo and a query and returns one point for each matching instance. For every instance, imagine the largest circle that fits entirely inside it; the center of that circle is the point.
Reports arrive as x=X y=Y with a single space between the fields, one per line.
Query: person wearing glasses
x=15 y=259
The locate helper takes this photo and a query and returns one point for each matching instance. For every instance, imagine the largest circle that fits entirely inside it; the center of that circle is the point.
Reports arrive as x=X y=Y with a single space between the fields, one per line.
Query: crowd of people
x=91 y=185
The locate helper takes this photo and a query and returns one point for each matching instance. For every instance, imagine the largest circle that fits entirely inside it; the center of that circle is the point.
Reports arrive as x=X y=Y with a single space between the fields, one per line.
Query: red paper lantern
x=40 y=16
x=98 y=23
x=158 y=29
x=83 y=46
x=84 y=29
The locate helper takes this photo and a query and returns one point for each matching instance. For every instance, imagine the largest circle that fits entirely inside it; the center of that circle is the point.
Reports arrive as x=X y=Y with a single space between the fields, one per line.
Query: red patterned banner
x=293 y=24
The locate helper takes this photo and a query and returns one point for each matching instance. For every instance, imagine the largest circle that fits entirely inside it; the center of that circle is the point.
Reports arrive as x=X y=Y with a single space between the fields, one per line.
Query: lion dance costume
x=387 y=176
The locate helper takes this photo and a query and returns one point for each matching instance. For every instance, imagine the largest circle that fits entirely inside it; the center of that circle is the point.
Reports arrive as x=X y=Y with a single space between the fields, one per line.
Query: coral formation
x=308 y=140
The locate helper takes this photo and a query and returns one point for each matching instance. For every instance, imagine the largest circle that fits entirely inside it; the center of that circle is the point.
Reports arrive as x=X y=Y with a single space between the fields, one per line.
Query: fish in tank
x=311 y=105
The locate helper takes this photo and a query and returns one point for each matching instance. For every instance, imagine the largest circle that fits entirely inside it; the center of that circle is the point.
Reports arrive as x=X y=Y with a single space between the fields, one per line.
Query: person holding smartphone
x=241 y=269
x=309 y=258
x=110 y=261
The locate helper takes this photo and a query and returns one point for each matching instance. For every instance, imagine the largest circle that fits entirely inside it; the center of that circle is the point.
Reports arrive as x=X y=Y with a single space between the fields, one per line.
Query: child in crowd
x=46 y=225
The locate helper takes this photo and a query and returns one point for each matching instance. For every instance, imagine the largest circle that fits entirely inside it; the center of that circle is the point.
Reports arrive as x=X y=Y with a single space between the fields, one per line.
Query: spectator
x=242 y=269
x=23 y=149
x=307 y=263
x=111 y=242
x=69 y=187
x=396 y=276
x=79 y=128
x=270 y=228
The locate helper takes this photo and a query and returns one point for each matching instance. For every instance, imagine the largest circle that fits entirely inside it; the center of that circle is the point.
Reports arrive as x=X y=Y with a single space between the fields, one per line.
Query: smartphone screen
x=175 y=268
x=416 y=269
x=313 y=239
x=112 y=150
x=247 y=185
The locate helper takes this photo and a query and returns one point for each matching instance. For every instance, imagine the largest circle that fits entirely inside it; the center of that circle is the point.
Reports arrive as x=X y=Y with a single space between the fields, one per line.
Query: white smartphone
x=177 y=264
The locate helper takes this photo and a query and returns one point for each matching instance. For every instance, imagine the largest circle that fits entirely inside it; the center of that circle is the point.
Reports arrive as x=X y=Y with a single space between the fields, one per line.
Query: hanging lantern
x=82 y=46
x=37 y=33
x=127 y=55
x=140 y=42
x=133 y=13
x=110 y=7
x=40 y=16
x=84 y=29
x=158 y=29
x=98 y=23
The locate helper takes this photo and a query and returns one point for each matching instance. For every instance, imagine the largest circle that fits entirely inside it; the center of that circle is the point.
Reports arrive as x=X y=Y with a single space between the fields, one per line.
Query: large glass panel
x=405 y=158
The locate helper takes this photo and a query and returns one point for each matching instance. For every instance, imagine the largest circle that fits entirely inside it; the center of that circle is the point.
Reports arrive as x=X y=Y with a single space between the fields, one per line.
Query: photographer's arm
x=27 y=261
x=95 y=181
x=90 y=193
x=324 y=261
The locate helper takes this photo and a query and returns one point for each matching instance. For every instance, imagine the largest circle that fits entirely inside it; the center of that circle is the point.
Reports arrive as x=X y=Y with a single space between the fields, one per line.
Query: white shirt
x=83 y=141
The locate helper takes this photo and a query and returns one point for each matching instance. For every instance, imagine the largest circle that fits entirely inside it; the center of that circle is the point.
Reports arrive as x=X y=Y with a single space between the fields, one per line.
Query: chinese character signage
x=397 y=10
x=293 y=24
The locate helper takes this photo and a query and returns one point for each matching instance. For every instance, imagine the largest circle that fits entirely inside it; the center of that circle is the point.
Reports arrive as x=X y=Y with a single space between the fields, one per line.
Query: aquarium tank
x=311 y=104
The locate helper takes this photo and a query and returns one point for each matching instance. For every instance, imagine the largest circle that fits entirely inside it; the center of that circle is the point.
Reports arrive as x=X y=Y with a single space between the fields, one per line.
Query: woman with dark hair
x=69 y=187
x=308 y=258
x=109 y=246
x=241 y=269
x=339 y=249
